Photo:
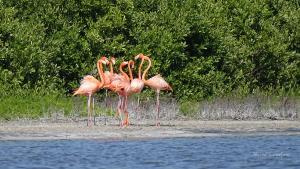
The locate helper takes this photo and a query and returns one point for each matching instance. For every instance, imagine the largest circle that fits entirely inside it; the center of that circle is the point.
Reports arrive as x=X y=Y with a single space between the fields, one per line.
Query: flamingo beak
x=137 y=56
x=124 y=63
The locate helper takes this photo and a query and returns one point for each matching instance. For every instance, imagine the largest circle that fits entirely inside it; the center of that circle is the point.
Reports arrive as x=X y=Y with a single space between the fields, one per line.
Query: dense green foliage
x=202 y=47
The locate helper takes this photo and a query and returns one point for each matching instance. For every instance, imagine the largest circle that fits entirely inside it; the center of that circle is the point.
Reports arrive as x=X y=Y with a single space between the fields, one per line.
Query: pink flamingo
x=156 y=83
x=136 y=86
x=90 y=85
x=108 y=75
x=128 y=87
x=118 y=83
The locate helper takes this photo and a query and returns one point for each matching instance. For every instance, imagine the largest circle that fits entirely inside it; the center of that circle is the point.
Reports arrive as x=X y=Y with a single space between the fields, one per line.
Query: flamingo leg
x=118 y=107
x=119 y=111
x=126 y=123
x=105 y=100
x=93 y=112
x=123 y=109
x=138 y=113
x=157 y=108
x=89 y=110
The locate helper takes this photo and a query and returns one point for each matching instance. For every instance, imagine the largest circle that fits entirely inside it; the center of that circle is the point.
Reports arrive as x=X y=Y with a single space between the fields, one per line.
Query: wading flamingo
x=156 y=83
x=90 y=85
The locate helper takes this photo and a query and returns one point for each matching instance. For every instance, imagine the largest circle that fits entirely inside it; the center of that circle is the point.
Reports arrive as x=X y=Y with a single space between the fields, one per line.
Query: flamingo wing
x=88 y=85
x=158 y=83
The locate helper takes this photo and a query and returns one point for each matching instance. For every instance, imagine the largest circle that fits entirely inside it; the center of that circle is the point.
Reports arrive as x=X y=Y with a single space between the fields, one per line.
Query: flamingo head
x=124 y=63
x=104 y=60
x=139 y=56
x=131 y=62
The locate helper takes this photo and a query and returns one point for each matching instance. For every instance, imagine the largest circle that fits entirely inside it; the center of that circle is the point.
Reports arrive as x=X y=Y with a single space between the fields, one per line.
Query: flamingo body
x=88 y=85
x=107 y=77
x=136 y=85
x=157 y=83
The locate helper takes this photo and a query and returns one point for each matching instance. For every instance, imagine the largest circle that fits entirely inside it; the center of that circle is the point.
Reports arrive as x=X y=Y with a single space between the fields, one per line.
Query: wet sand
x=47 y=130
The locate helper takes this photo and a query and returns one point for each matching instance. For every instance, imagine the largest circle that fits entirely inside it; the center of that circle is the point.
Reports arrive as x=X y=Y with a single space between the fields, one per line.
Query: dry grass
x=248 y=108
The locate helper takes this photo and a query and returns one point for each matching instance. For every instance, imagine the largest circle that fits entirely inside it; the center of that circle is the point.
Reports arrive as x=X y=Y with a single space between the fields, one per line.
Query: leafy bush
x=203 y=48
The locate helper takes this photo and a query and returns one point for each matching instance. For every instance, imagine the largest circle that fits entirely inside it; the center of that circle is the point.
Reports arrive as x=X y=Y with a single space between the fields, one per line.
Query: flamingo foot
x=117 y=114
x=157 y=124
x=126 y=123
x=89 y=124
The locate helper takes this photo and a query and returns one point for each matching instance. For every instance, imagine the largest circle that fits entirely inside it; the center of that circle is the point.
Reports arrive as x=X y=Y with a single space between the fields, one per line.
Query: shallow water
x=275 y=151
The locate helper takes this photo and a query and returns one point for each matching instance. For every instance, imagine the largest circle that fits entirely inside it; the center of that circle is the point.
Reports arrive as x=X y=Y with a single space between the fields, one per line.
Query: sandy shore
x=45 y=130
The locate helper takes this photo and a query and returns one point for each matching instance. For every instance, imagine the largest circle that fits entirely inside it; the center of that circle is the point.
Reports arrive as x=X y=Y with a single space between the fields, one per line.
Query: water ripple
x=206 y=152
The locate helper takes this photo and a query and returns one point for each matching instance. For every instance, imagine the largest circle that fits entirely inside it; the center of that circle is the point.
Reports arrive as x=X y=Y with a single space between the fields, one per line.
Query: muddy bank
x=45 y=130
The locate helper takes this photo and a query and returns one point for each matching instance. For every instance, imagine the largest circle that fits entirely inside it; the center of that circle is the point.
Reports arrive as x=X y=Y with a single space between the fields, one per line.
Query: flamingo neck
x=129 y=69
x=111 y=67
x=123 y=73
x=100 y=72
x=147 y=69
x=140 y=69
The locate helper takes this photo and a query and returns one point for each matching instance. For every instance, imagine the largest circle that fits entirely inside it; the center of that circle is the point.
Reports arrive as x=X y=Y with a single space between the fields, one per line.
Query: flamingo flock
x=123 y=84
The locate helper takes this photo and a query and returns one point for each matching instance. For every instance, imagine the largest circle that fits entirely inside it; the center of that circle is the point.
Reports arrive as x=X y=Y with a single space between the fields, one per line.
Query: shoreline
x=68 y=130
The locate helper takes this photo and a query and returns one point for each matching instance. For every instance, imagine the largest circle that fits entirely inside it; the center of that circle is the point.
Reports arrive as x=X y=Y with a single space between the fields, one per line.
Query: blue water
x=280 y=151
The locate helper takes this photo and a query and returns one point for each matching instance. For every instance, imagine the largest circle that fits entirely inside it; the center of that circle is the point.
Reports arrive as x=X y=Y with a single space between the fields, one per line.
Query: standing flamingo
x=108 y=75
x=136 y=86
x=90 y=85
x=128 y=89
x=118 y=83
x=156 y=83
